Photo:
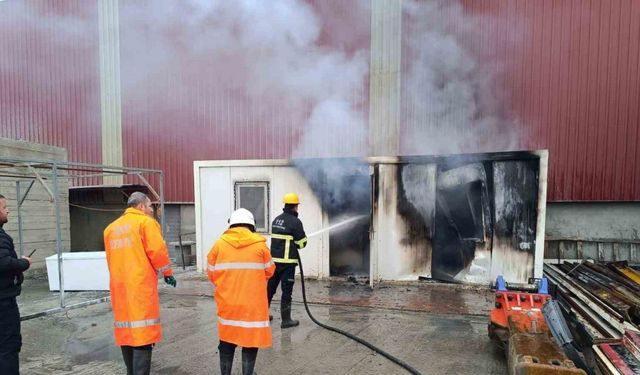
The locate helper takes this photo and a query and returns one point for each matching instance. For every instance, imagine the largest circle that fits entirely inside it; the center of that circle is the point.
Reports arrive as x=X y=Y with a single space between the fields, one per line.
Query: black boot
x=285 y=312
x=226 y=361
x=142 y=361
x=127 y=356
x=249 y=361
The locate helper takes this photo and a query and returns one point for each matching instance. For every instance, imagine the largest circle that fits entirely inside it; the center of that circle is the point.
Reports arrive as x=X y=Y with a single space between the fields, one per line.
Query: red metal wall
x=568 y=71
x=187 y=111
x=49 y=75
x=576 y=83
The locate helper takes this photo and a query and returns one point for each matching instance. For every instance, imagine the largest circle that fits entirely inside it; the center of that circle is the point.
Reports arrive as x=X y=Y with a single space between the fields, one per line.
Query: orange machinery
x=518 y=325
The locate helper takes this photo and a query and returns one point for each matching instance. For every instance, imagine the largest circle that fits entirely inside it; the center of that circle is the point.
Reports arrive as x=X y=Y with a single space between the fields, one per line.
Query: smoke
x=452 y=102
x=341 y=184
x=267 y=62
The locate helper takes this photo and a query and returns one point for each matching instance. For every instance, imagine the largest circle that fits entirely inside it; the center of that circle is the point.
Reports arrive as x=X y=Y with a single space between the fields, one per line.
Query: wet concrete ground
x=36 y=297
x=81 y=341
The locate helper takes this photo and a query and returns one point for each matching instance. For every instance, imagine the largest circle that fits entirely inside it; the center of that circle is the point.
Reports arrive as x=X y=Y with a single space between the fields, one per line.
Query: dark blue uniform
x=287 y=237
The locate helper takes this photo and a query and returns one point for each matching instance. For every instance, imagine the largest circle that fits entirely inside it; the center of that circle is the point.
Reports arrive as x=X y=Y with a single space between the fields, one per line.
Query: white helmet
x=242 y=216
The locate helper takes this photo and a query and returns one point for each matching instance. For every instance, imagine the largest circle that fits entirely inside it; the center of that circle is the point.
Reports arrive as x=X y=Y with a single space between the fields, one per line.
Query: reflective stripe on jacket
x=239 y=265
x=136 y=253
x=287 y=237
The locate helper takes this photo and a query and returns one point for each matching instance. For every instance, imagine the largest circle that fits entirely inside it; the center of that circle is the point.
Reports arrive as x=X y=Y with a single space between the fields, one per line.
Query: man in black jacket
x=287 y=237
x=11 y=269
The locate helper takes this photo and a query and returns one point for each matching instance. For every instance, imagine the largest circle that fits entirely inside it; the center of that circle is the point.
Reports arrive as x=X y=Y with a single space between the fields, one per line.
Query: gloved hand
x=171 y=281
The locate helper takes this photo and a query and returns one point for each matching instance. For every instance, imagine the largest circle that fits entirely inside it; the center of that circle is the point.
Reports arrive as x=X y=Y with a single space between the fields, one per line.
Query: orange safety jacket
x=136 y=253
x=239 y=265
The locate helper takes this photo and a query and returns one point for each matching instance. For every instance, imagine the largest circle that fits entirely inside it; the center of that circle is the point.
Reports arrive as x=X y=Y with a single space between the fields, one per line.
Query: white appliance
x=81 y=271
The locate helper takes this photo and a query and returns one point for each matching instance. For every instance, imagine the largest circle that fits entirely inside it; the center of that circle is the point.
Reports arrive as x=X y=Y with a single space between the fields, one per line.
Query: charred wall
x=415 y=206
x=468 y=219
x=343 y=187
x=457 y=218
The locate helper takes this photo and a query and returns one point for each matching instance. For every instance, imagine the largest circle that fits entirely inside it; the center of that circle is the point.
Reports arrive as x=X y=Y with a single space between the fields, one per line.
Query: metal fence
x=26 y=173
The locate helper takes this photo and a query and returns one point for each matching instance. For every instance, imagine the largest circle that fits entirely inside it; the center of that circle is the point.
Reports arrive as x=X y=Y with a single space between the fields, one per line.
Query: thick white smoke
x=451 y=101
x=287 y=65
x=263 y=57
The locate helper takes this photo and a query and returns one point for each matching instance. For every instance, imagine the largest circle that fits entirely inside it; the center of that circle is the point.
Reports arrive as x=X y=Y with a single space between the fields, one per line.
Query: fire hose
x=390 y=357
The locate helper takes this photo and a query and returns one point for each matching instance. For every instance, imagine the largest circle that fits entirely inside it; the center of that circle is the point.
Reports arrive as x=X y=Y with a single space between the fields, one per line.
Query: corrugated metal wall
x=576 y=83
x=568 y=74
x=567 y=71
x=49 y=77
x=186 y=110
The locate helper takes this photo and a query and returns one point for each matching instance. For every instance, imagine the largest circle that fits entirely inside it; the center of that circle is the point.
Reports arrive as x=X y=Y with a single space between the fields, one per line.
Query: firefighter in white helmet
x=239 y=265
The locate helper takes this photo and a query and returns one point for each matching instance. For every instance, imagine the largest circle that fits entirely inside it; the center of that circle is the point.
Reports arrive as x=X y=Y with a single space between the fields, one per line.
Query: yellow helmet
x=291 y=198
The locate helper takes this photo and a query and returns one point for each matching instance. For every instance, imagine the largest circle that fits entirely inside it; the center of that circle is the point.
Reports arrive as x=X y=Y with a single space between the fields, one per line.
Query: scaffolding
x=27 y=172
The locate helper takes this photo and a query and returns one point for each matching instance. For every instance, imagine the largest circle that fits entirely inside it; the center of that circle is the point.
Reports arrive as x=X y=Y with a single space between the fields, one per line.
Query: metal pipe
x=48 y=163
x=590 y=240
x=24 y=177
x=20 y=247
x=56 y=201
x=613 y=317
x=595 y=325
x=62 y=309
x=148 y=185
x=26 y=192
x=162 y=223
x=74 y=176
x=181 y=252
x=41 y=181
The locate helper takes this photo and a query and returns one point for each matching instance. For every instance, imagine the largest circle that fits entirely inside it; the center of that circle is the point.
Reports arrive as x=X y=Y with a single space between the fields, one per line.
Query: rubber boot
x=127 y=356
x=285 y=312
x=226 y=361
x=249 y=362
x=142 y=361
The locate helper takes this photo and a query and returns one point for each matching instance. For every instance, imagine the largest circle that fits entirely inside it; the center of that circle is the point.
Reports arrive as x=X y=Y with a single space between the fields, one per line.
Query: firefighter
x=287 y=237
x=136 y=253
x=239 y=265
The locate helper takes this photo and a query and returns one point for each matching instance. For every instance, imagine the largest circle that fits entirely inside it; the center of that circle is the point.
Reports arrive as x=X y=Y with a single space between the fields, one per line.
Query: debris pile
x=604 y=300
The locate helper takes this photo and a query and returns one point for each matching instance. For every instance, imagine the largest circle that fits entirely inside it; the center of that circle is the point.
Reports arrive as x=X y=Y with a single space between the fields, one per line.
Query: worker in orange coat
x=239 y=265
x=136 y=253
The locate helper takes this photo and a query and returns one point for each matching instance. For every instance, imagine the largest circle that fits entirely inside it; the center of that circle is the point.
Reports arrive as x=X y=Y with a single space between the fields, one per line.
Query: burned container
x=461 y=218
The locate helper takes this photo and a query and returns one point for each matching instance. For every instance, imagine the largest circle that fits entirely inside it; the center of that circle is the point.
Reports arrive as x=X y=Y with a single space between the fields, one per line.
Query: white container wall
x=215 y=183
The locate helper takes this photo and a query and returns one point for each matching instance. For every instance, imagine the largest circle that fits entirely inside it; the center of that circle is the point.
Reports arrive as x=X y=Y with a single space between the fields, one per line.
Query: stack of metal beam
x=604 y=300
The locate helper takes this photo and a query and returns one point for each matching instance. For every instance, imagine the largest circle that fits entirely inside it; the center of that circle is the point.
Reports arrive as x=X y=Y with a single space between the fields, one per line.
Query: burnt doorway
x=516 y=215
x=463 y=217
x=343 y=187
x=485 y=220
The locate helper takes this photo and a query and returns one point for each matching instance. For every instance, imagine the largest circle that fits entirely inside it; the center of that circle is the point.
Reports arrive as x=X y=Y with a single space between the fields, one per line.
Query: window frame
x=267 y=209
